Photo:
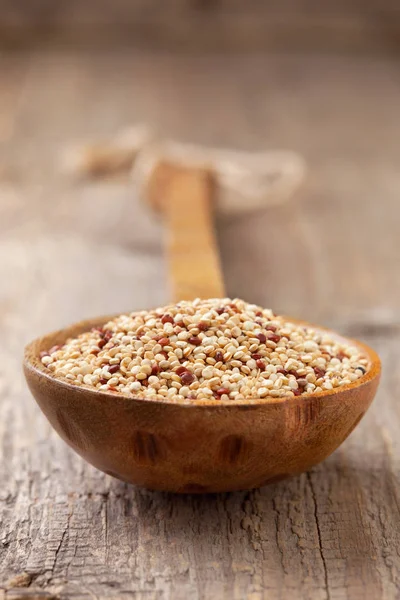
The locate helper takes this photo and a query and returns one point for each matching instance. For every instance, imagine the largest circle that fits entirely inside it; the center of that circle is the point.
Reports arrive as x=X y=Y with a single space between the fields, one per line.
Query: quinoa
x=206 y=349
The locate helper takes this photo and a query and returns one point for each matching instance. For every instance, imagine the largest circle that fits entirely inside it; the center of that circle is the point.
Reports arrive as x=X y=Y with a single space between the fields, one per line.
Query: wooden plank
x=204 y=25
x=70 y=251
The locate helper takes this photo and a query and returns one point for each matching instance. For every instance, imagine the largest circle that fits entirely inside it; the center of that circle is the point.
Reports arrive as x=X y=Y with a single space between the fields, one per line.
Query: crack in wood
x=318 y=527
x=277 y=531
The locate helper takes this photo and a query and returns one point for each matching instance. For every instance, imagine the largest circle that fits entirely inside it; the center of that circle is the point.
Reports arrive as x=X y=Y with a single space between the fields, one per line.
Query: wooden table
x=75 y=250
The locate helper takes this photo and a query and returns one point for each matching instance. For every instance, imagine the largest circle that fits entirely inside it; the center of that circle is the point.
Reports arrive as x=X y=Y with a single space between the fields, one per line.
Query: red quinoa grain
x=221 y=391
x=181 y=370
x=274 y=338
x=167 y=319
x=319 y=372
x=187 y=378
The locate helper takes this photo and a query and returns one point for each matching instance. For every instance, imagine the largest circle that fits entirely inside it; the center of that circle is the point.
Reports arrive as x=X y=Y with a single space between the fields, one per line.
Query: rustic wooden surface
x=216 y=25
x=74 y=250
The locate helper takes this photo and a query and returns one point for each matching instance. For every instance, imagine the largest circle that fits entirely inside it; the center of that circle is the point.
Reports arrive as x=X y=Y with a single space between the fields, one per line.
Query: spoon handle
x=184 y=196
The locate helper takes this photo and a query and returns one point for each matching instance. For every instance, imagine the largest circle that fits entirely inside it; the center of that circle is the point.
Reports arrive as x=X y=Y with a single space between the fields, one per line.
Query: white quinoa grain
x=208 y=372
x=219 y=348
x=46 y=360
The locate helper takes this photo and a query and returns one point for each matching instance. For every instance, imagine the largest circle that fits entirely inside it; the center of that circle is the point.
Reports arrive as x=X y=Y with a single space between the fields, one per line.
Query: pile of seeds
x=219 y=348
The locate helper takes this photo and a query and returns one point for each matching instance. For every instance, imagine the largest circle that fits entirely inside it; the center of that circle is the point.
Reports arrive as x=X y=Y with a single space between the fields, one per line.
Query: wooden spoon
x=201 y=445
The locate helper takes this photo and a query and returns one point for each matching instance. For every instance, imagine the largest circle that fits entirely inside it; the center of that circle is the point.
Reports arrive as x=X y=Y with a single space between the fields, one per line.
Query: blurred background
x=321 y=79
x=318 y=78
x=205 y=24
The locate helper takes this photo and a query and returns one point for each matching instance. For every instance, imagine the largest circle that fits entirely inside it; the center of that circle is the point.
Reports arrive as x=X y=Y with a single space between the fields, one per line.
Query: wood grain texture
x=330 y=256
x=184 y=197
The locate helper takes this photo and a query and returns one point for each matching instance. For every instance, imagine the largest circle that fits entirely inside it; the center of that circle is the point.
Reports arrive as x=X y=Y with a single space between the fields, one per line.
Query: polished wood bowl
x=198 y=446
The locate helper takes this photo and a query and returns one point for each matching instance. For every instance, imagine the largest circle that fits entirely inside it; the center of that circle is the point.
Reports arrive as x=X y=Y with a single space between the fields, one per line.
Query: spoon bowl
x=200 y=445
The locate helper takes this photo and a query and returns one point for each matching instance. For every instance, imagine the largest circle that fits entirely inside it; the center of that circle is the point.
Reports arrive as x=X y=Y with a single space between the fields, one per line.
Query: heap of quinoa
x=218 y=348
